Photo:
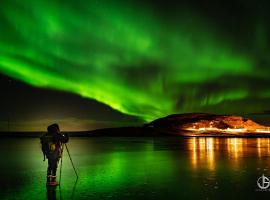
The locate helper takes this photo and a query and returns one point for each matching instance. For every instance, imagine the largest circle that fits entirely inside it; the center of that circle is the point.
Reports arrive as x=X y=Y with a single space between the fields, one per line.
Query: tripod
x=61 y=164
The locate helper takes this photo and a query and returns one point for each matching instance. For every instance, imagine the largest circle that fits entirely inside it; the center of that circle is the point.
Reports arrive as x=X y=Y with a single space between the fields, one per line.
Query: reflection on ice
x=204 y=151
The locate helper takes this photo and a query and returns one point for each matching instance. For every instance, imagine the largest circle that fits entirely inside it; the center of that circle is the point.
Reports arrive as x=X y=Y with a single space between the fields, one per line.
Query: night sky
x=94 y=64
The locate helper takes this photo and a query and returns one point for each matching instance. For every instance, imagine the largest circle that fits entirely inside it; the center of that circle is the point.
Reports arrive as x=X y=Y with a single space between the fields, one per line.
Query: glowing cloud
x=123 y=55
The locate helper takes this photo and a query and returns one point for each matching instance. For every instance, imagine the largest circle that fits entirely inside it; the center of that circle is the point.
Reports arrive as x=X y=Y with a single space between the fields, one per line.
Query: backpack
x=48 y=145
x=51 y=147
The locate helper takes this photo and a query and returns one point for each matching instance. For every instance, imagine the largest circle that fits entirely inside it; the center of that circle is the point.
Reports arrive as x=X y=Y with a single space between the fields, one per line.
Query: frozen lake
x=139 y=168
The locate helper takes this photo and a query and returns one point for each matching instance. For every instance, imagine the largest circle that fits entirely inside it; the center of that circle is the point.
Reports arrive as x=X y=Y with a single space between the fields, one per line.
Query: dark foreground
x=140 y=168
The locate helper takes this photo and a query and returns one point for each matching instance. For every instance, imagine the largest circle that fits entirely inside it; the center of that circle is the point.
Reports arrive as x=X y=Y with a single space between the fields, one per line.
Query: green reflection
x=144 y=168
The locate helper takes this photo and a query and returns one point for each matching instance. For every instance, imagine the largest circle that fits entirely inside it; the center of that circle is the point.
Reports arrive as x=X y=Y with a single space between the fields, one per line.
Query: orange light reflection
x=204 y=152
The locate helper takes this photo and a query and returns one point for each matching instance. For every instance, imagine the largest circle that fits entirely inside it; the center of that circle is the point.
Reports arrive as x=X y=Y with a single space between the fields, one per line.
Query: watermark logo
x=263 y=183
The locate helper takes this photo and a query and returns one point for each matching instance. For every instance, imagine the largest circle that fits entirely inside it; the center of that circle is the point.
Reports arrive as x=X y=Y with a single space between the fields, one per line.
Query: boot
x=51 y=181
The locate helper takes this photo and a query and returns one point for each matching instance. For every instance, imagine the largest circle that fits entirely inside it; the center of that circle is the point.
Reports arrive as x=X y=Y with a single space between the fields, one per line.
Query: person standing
x=52 y=144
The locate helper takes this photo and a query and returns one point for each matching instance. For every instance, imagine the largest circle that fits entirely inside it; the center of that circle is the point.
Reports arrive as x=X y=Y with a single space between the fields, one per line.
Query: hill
x=208 y=124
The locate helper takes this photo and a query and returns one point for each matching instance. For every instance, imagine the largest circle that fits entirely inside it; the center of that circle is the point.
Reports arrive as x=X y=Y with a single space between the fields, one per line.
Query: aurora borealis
x=142 y=58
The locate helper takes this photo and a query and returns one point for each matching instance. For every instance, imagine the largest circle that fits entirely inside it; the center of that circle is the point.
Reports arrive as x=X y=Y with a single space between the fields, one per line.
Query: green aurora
x=138 y=61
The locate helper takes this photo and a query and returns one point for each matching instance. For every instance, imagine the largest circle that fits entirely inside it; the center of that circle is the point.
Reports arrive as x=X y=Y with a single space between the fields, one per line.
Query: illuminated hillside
x=200 y=123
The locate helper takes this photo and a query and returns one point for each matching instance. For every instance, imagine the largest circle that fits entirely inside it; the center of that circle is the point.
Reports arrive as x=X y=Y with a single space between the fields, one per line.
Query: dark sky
x=31 y=108
x=96 y=64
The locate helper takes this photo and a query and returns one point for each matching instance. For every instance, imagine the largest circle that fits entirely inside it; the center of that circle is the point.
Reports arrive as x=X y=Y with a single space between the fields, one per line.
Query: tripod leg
x=60 y=170
x=71 y=161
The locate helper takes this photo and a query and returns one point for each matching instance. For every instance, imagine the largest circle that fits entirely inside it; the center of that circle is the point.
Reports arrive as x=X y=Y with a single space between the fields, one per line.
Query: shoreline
x=136 y=132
